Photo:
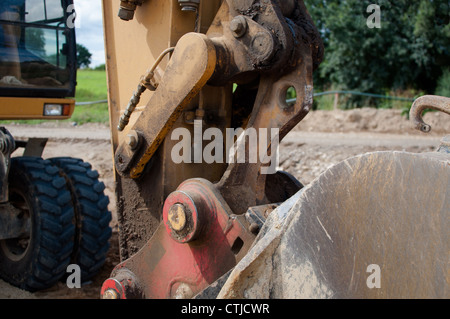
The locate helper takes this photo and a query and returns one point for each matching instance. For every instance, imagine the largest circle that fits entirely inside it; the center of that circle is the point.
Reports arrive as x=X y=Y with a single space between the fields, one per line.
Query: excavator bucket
x=372 y=226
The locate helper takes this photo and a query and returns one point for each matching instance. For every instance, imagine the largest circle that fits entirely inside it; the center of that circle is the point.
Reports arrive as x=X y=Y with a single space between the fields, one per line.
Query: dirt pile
x=371 y=120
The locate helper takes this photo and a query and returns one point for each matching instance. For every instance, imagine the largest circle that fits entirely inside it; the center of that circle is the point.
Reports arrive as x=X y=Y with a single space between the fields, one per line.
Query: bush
x=101 y=67
x=409 y=51
x=443 y=86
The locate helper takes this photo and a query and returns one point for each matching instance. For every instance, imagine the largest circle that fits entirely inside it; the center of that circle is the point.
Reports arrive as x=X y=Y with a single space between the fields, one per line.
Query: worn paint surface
x=389 y=209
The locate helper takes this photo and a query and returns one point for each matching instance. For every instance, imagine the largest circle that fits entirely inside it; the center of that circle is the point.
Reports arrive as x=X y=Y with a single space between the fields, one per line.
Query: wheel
x=92 y=232
x=40 y=258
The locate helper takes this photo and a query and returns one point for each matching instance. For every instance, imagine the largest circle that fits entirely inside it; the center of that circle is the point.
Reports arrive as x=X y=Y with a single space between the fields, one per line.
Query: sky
x=89 y=28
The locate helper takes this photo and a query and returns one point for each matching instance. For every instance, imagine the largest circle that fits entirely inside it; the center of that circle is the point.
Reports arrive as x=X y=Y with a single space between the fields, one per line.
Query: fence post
x=336 y=101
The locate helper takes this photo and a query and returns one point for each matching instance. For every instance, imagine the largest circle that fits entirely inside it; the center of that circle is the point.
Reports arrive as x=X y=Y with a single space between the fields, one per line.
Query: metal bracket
x=191 y=66
x=267 y=43
x=35 y=147
x=208 y=244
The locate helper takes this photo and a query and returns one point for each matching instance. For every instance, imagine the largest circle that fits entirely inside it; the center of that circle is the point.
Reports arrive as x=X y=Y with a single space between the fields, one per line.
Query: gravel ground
x=323 y=139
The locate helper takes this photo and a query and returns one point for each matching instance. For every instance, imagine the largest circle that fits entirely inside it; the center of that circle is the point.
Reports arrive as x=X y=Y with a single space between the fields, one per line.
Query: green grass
x=91 y=86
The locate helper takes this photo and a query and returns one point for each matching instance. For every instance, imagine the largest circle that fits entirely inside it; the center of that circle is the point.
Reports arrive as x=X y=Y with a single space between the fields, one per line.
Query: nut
x=189 y=5
x=126 y=14
x=238 y=26
x=133 y=140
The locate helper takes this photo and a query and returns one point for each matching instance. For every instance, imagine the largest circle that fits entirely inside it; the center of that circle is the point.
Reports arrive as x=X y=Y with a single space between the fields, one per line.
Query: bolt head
x=126 y=14
x=133 y=140
x=238 y=26
x=110 y=294
x=183 y=292
x=177 y=217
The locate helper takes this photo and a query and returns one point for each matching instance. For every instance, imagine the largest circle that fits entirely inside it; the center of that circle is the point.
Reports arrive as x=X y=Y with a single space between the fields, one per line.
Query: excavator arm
x=268 y=47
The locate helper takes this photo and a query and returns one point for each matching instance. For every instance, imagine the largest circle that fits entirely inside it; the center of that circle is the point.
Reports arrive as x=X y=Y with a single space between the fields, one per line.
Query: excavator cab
x=37 y=59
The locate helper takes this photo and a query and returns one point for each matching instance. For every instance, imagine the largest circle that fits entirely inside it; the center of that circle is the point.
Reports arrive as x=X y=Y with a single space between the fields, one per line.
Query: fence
x=336 y=97
x=337 y=93
x=90 y=103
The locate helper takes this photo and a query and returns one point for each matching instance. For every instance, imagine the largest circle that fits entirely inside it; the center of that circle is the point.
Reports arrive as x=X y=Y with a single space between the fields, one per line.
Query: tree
x=35 y=40
x=409 y=51
x=83 y=56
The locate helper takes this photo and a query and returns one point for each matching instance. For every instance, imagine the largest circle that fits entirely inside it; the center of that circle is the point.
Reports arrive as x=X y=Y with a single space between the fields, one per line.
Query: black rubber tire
x=40 y=260
x=92 y=232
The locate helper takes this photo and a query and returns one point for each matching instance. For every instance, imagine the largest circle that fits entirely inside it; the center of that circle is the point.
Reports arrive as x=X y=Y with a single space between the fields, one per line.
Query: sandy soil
x=324 y=138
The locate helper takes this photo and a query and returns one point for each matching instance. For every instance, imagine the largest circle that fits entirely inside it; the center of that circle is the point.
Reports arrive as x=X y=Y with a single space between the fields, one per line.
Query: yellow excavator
x=203 y=218
x=53 y=212
x=198 y=105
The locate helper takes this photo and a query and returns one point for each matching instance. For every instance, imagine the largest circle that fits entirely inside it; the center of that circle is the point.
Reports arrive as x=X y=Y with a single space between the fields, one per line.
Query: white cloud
x=89 y=28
